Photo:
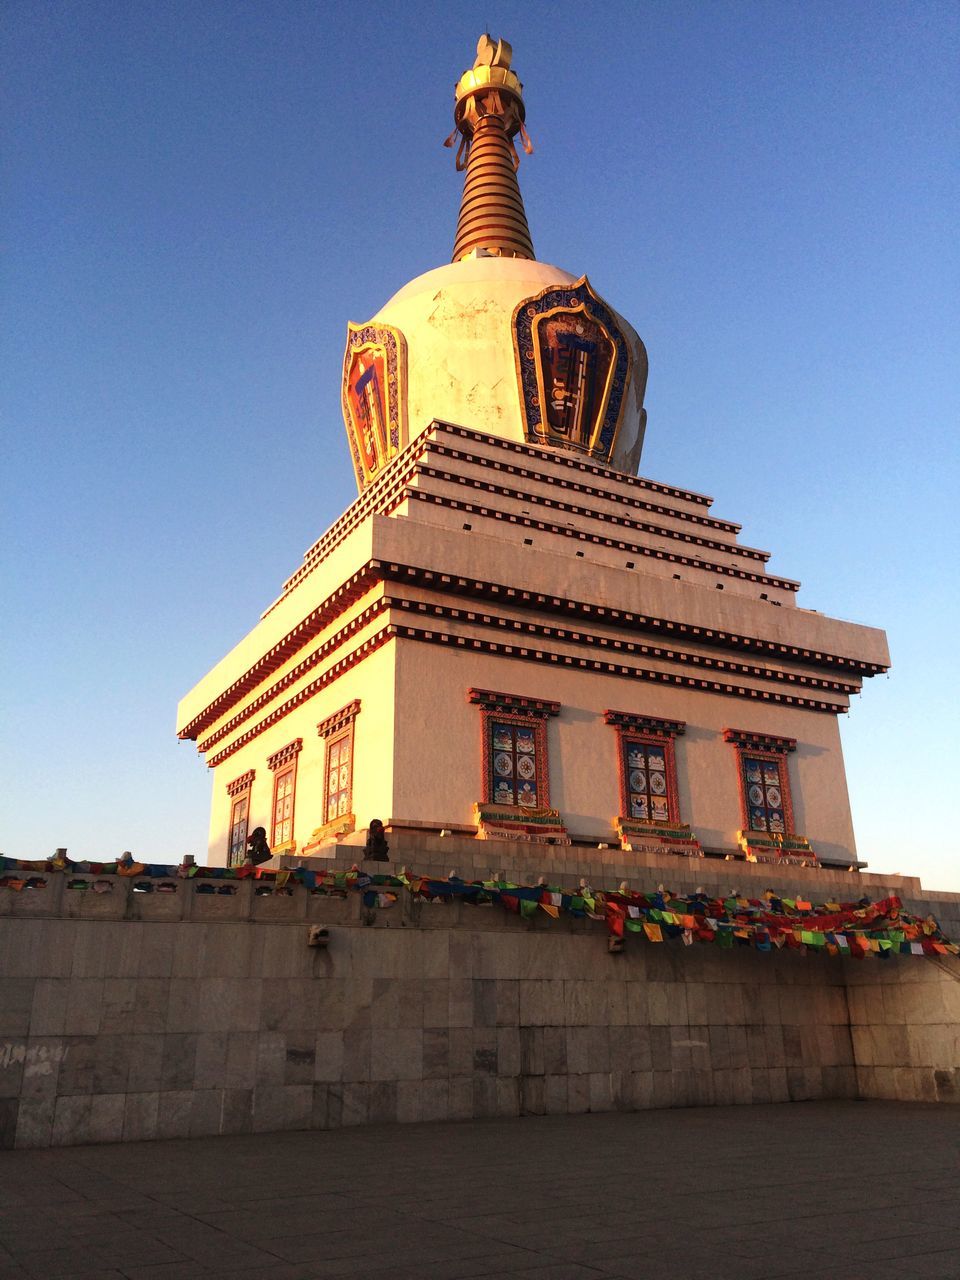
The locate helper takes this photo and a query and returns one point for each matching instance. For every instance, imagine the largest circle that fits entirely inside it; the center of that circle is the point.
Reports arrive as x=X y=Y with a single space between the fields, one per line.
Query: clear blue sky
x=198 y=197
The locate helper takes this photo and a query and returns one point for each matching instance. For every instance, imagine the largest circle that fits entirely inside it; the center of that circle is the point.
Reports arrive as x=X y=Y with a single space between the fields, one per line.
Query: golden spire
x=489 y=112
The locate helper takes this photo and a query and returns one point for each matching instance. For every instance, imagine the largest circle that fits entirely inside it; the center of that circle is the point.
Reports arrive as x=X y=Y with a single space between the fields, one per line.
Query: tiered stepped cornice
x=397 y=565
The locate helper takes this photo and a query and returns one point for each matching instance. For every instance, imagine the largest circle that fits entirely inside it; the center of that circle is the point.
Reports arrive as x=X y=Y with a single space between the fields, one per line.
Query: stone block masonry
x=127 y=1016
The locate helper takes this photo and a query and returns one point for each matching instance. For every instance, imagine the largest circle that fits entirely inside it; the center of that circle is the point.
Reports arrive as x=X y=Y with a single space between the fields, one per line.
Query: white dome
x=461 y=364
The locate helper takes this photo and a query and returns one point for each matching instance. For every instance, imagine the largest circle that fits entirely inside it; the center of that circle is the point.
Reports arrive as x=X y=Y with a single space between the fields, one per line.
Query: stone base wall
x=128 y=1016
x=905 y=1024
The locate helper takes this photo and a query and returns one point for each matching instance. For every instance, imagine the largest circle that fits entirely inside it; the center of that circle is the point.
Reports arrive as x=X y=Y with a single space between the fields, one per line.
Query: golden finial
x=488 y=114
x=490 y=87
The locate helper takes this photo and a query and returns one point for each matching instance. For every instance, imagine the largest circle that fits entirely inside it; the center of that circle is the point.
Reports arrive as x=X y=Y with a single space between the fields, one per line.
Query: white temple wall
x=372 y=682
x=438 y=775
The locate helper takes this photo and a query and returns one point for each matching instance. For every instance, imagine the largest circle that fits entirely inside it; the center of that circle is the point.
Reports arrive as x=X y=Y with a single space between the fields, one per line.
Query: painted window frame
x=283 y=764
x=648 y=731
x=766 y=748
x=239 y=792
x=515 y=710
x=337 y=728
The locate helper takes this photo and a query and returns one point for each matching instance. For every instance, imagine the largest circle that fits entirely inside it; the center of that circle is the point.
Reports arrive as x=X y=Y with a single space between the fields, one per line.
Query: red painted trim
x=241 y=784
x=325 y=613
x=381 y=494
x=588 y=513
x=506 y=594
x=283 y=757
x=383 y=489
x=333 y=673
x=758 y=741
x=339 y=720
x=376 y=571
x=471 y=644
x=629 y=721
x=512 y=703
x=330 y=645
x=442 y=450
x=581 y=535
x=520 y=651
x=438 y=428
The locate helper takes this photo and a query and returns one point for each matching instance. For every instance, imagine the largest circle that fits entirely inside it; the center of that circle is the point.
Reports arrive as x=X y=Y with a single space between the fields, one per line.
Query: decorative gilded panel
x=574 y=365
x=374 y=397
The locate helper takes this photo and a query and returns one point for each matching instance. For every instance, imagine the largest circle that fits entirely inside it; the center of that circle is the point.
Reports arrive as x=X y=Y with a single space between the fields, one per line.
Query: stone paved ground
x=805 y=1191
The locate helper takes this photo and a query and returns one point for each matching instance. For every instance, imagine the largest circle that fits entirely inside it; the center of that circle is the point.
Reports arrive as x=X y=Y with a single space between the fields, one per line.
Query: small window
x=763 y=788
x=239 y=792
x=239 y=815
x=647 y=767
x=765 y=802
x=647 y=780
x=337 y=732
x=339 y=775
x=513 y=763
x=284 y=786
x=283 y=765
x=514 y=732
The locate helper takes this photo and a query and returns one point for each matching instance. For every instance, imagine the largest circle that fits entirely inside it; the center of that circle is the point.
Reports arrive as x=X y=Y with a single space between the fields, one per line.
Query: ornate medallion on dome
x=374 y=397
x=574 y=365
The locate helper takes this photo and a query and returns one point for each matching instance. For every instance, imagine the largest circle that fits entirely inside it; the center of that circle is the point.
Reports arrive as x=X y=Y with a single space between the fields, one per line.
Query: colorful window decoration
x=764 y=794
x=765 y=802
x=514 y=732
x=645 y=768
x=239 y=792
x=574 y=365
x=283 y=765
x=515 y=803
x=647 y=765
x=513 y=763
x=649 y=804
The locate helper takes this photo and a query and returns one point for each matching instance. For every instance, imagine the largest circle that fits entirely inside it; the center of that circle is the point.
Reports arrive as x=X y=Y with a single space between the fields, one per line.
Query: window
x=764 y=784
x=337 y=731
x=514 y=732
x=764 y=788
x=513 y=762
x=239 y=793
x=339 y=775
x=284 y=785
x=283 y=765
x=647 y=766
x=239 y=812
